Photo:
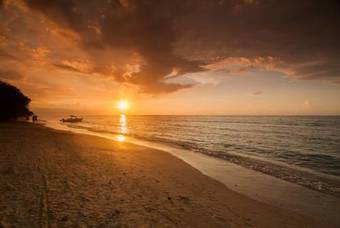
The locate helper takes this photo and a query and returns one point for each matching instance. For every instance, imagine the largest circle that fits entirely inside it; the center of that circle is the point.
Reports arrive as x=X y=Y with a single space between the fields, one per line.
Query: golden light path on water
x=122 y=128
x=123 y=123
x=120 y=138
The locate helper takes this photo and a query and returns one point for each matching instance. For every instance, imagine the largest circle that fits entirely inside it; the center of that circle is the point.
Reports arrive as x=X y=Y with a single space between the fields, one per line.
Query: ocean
x=300 y=149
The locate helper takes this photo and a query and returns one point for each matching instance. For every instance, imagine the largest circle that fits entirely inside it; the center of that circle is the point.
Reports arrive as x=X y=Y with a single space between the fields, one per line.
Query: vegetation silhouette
x=13 y=103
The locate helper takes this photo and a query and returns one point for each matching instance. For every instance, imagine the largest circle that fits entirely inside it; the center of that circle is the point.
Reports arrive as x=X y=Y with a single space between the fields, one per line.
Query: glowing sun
x=122 y=105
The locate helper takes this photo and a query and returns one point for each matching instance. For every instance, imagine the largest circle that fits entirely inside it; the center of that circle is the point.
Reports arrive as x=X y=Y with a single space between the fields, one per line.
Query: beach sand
x=51 y=178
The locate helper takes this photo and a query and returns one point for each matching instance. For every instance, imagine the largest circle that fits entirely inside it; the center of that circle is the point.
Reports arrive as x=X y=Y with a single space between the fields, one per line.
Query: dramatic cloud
x=135 y=27
x=294 y=37
x=144 y=42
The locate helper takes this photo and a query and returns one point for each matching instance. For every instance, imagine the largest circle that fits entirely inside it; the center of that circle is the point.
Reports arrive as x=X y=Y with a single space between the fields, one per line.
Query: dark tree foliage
x=13 y=103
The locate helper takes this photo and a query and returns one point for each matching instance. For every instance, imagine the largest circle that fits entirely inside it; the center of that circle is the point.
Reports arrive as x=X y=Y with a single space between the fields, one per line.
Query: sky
x=209 y=57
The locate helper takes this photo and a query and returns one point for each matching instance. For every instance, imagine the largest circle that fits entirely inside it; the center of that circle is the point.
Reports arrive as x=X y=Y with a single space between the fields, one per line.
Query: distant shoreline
x=86 y=180
x=240 y=115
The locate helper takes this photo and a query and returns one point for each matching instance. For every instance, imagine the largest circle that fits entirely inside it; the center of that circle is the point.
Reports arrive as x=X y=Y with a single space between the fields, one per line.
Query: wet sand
x=54 y=178
x=259 y=186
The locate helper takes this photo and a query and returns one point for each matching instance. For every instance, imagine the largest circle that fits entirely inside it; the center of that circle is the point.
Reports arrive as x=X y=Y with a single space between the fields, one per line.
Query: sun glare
x=120 y=138
x=122 y=105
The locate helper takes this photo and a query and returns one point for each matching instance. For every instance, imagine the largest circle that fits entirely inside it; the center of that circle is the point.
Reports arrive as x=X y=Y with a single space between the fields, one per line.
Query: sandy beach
x=51 y=178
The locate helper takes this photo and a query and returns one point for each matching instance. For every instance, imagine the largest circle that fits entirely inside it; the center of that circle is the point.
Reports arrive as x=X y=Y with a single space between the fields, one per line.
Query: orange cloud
x=142 y=44
x=242 y=64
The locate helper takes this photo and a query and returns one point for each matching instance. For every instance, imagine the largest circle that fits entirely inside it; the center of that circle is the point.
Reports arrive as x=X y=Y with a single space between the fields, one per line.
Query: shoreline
x=246 y=181
x=311 y=179
x=62 y=178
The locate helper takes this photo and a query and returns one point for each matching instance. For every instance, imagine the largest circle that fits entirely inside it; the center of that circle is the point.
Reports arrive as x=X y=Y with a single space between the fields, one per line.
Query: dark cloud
x=181 y=36
x=142 y=27
x=301 y=35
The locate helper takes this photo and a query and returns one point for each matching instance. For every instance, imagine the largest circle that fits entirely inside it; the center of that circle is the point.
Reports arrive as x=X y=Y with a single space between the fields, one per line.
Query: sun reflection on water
x=120 y=138
x=123 y=124
x=122 y=128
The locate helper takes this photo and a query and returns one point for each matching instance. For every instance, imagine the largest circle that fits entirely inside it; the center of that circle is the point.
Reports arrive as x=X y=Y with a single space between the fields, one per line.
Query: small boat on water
x=71 y=119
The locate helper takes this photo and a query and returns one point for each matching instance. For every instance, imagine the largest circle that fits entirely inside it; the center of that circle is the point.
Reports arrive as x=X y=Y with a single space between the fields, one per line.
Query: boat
x=71 y=119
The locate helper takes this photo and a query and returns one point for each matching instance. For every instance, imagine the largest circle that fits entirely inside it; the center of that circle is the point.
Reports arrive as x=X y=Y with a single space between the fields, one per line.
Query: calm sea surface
x=311 y=142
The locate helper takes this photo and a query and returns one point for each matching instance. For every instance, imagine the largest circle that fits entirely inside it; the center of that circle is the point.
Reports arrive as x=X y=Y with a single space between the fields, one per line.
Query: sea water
x=299 y=149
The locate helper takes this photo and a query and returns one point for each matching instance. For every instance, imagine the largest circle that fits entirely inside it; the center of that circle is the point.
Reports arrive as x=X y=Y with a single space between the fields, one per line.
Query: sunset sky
x=173 y=57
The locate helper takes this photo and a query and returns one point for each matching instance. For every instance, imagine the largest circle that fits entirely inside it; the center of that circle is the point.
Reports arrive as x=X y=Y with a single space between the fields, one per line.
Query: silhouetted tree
x=13 y=103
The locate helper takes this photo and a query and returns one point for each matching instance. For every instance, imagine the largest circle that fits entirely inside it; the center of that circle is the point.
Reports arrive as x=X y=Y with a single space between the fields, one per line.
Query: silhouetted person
x=13 y=103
